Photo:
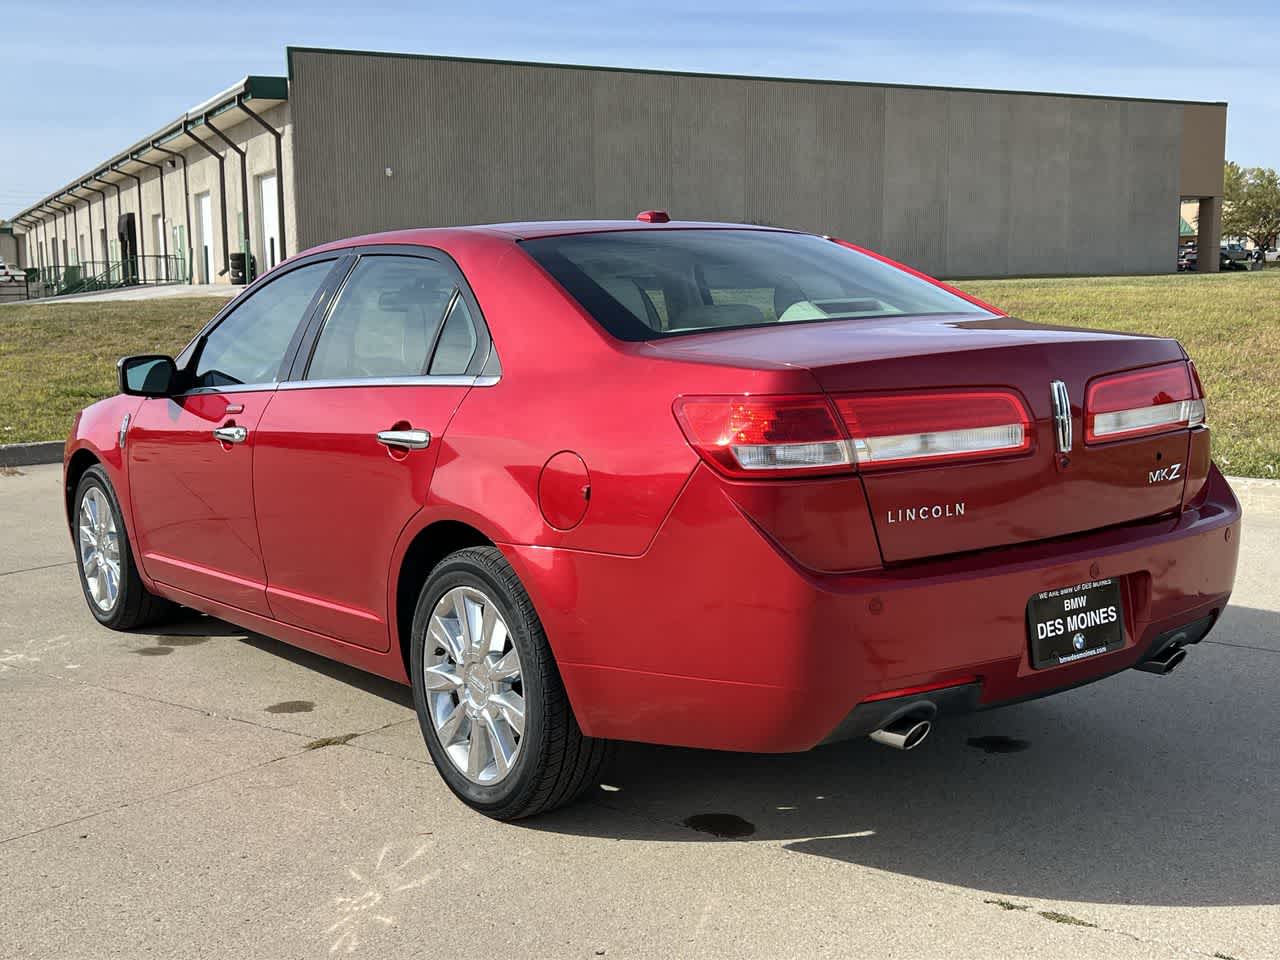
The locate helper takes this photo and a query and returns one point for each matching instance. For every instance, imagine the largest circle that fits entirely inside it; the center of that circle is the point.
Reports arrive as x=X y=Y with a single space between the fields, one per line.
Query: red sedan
x=712 y=485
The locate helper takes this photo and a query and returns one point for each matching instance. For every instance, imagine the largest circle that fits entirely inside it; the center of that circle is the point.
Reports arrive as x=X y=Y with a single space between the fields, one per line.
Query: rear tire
x=488 y=694
x=112 y=586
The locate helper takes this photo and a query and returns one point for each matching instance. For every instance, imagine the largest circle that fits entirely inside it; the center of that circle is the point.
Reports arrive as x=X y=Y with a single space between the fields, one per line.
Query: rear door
x=191 y=456
x=346 y=451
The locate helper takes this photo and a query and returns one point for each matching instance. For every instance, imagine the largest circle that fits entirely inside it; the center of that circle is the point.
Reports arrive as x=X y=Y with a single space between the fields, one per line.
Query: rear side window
x=383 y=320
x=458 y=342
x=644 y=285
x=249 y=344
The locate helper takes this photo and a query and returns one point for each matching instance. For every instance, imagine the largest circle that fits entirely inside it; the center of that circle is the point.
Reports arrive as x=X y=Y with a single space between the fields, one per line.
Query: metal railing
x=88 y=276
x=13 y=288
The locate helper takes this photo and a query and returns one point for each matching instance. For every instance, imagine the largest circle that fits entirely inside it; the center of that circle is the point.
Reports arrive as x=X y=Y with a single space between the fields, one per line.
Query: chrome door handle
x=408 y=439
x=231 y=434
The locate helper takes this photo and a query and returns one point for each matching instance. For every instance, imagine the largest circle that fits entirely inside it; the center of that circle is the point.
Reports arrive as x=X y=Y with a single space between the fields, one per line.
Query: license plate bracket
x=1075 y=623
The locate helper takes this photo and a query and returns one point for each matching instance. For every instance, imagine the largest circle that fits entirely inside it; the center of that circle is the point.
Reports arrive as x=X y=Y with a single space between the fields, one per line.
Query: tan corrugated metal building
x=956 y=182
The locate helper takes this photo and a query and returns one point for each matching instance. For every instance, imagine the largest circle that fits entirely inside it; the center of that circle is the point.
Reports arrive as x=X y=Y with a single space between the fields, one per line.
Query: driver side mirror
x=147 y=375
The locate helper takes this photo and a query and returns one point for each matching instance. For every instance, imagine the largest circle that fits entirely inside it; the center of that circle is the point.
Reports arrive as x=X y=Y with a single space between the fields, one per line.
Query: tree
x=1251 y=204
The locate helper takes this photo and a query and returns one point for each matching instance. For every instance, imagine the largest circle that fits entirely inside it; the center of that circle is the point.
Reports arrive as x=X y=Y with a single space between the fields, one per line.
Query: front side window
x=249 y=345
x=384 y=320
x=644 y=285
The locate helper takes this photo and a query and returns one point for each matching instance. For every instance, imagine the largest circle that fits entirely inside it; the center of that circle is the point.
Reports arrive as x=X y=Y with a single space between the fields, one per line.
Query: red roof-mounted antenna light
x=654 y=216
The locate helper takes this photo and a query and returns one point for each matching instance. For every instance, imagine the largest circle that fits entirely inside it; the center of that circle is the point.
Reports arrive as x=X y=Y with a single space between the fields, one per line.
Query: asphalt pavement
x=204 y=792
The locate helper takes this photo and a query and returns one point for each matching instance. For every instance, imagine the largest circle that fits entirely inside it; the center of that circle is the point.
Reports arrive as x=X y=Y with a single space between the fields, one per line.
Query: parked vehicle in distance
x=1271 y=256
x=709 y=485
x=1187 y=259
x=10 y=274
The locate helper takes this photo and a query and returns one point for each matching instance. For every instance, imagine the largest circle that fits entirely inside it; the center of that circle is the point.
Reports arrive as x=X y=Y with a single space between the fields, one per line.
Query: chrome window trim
x=419 y=381
x=229 y=388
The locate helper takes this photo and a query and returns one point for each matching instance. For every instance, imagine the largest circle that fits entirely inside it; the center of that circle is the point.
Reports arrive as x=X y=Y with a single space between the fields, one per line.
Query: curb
x=31 y=454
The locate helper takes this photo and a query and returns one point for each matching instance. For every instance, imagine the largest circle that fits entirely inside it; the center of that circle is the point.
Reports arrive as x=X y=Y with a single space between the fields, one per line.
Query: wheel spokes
x=446 y=640
x=442 y=677
x=471 y=679
x=501 y=743
x=449 y=728
x=506 y=669
x=511 y=710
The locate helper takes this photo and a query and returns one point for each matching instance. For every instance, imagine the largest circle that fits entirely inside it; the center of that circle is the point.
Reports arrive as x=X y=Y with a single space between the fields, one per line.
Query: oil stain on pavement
x=726 y=826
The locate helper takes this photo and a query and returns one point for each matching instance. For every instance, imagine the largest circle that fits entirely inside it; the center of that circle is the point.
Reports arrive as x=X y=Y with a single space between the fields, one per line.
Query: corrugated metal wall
x=956 y=183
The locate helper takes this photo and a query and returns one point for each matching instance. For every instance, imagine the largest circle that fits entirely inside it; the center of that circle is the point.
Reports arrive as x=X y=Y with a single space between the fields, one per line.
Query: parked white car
x=10 y=274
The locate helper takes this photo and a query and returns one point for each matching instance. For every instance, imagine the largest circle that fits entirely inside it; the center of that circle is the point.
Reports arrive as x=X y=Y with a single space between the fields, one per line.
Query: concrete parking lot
x=181 y=795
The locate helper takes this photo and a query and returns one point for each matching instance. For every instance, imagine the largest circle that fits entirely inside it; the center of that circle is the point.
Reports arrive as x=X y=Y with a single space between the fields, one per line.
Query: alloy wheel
x=99 y=549
x=473 y=684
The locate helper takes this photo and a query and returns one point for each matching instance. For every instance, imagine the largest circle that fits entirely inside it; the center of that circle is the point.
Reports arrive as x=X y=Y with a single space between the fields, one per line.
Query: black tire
x=135 y=605
x=555 y=763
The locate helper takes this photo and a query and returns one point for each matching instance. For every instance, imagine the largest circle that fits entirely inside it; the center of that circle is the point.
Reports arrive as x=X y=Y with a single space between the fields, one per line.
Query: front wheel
x=489 y=697
x=109 y=577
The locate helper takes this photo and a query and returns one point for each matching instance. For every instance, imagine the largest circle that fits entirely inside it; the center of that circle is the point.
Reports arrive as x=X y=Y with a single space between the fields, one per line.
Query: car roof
x=525 y=230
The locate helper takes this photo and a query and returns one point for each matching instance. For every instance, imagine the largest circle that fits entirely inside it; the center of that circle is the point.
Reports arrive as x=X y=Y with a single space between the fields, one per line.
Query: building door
x=180 y=252
x=269 y=218
x=162 y=247
x=204 y=237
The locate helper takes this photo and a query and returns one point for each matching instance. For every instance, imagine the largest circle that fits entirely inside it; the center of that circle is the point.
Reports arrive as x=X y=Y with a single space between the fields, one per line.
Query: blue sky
x=85 y=80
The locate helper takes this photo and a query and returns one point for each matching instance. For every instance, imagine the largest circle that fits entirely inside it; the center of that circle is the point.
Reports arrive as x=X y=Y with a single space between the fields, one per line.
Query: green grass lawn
x=55 y=359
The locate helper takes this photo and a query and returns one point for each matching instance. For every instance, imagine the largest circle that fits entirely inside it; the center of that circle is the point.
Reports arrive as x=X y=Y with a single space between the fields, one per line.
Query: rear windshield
x=644 y=285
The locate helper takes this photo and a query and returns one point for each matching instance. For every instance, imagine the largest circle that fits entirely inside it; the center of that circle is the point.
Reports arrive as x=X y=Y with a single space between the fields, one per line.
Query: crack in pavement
x=1241 y=646
x=150 y=797
x=47 y=566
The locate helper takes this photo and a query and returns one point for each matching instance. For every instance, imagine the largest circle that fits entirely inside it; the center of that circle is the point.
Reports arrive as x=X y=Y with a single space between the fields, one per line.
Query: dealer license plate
x=1075 y=623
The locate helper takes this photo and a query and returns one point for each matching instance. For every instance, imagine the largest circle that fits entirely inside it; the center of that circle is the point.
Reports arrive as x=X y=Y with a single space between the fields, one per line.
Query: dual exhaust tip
x=1164 y=661
x=905 y=733
x=908 y=732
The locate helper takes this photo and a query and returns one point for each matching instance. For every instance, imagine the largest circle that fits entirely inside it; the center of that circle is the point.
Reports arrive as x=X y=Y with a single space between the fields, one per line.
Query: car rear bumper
x=715 y=638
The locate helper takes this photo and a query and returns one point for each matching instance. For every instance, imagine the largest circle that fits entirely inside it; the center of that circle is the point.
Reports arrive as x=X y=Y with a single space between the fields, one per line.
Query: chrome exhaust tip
x=1164 y=661
x=906 y=733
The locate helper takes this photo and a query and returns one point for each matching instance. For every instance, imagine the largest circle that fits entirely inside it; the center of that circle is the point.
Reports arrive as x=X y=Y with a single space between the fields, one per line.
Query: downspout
x=279 y=137
x=106 y=221
x=222 y=194
x=75 y=226
x=88 y=209
x=163 y=252
x=244 y=194
x=142 y=226
x=186 y=208
x=89 y=205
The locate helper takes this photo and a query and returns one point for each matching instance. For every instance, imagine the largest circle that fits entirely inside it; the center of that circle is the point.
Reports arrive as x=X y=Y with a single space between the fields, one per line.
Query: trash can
x=238 y=272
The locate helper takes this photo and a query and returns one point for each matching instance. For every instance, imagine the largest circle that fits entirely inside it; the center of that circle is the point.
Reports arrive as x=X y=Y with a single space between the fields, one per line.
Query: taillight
x=765 y=436
x=891 y=430
x=1142 y=403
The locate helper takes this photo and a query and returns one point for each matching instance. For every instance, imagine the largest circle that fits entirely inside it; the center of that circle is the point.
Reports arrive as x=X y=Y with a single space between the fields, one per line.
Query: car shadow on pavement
x=191 y=626
x=1137 y=789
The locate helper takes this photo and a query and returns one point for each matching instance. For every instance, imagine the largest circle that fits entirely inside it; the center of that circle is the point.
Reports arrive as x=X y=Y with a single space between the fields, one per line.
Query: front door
x=191 y=456
x=345 y=452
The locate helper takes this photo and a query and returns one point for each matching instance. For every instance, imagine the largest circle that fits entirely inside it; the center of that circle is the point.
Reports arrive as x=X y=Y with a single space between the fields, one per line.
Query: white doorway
x=269 y=218
x=157 y=231
x=204 y=237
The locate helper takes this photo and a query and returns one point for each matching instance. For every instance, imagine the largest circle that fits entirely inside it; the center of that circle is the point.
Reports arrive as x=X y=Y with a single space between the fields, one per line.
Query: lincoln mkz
x=709 y=485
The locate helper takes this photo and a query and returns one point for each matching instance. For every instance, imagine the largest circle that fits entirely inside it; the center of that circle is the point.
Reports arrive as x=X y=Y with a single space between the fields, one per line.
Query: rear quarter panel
x=566 y=386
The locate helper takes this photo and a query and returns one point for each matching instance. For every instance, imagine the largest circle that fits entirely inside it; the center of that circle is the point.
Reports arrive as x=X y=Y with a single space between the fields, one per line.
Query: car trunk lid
x=927 y=508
